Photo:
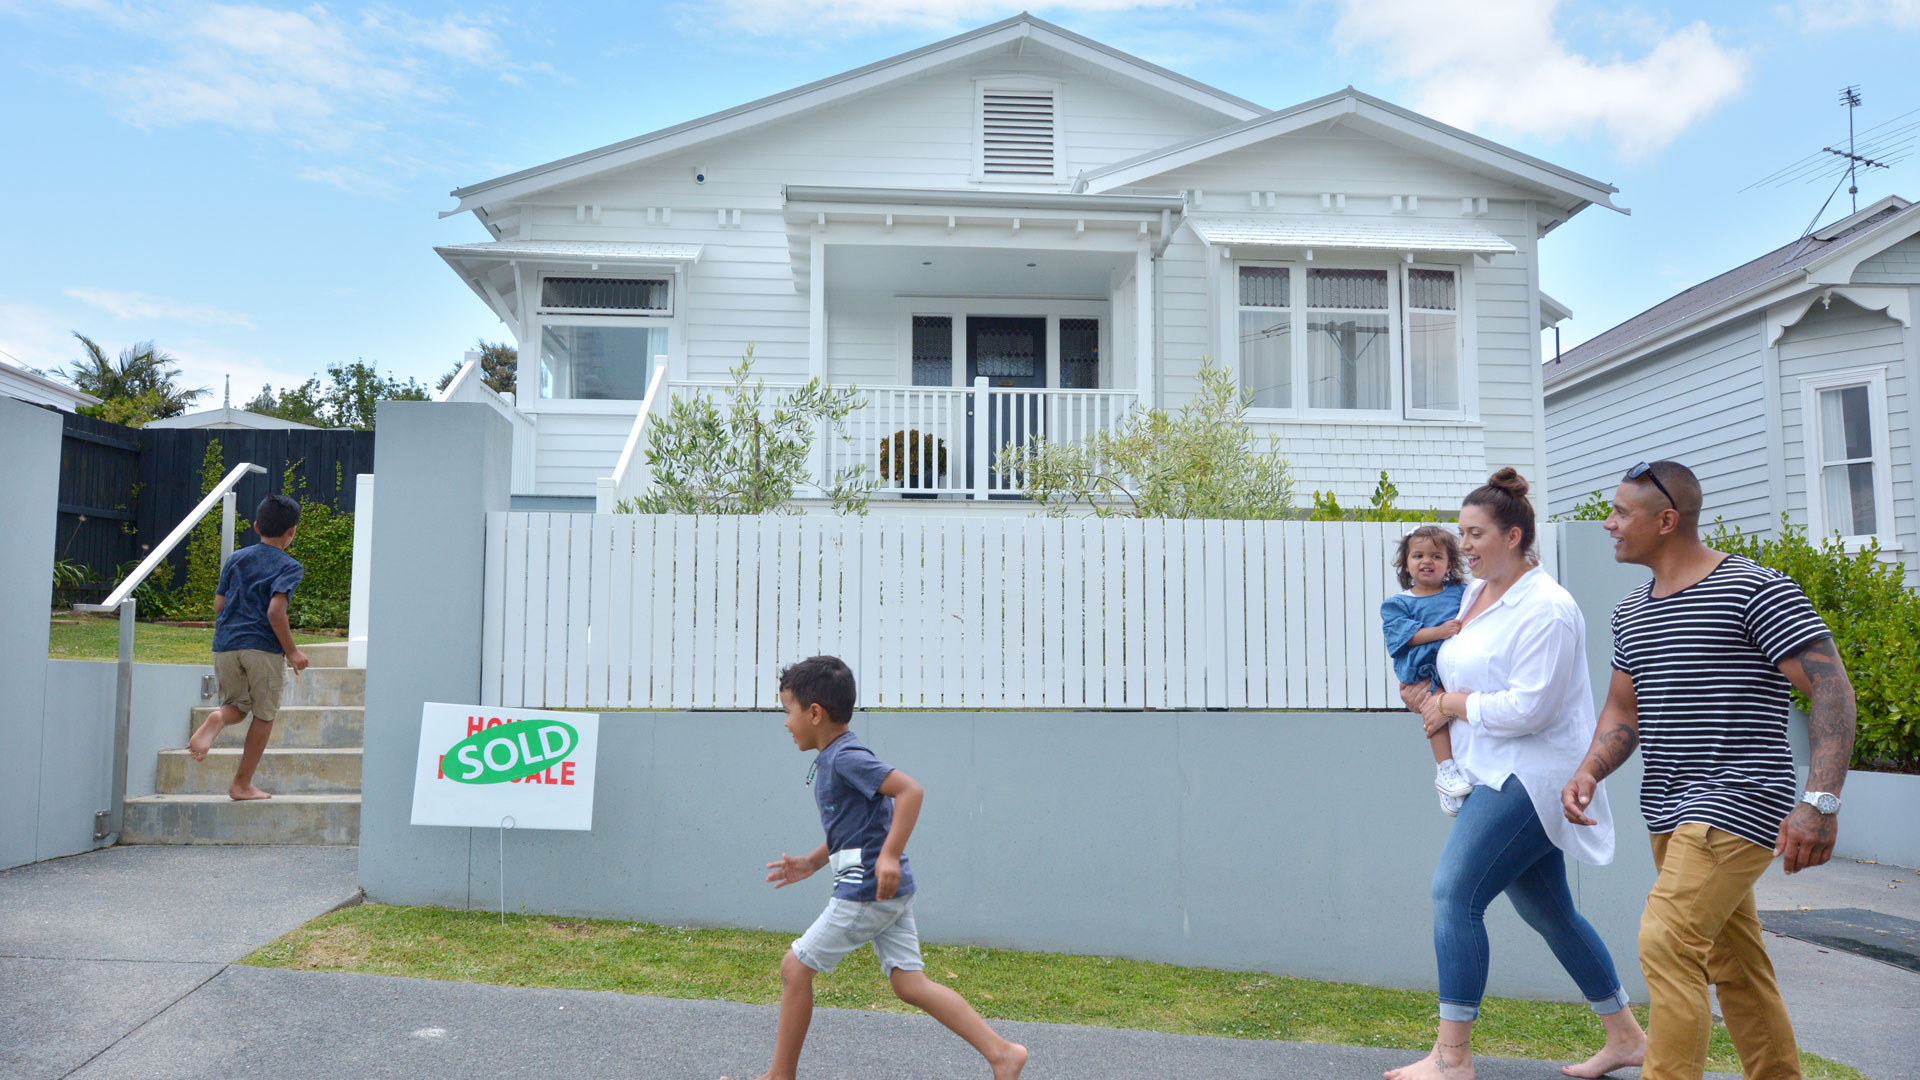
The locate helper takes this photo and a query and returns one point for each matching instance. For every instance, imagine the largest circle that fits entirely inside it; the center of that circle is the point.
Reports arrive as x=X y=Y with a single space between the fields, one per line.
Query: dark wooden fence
x=132 y=486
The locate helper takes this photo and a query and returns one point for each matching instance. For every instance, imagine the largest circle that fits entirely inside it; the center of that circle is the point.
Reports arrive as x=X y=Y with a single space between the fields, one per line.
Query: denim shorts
x=848 y=924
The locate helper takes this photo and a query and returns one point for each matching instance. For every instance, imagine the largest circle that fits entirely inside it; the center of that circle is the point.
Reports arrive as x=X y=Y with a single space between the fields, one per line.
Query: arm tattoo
x=1611 y=748
x=1831 y=717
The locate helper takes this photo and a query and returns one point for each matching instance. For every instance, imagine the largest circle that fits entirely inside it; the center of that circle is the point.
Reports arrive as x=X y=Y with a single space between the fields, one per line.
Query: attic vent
x=604 y=294
x=1016 y=129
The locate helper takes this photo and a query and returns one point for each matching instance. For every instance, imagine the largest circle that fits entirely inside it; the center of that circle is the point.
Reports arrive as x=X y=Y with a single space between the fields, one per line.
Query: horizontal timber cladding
x=99 y=471
x=630 y=611
x=170 y=460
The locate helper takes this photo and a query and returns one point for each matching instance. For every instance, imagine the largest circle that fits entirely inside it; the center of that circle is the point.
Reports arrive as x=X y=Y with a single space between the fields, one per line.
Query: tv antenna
x=1881 y=146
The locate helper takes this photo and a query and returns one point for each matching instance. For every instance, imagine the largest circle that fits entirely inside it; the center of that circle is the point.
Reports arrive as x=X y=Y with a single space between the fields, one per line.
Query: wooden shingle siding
x=1701 y=403
x=1898 y=265
x=1844 y=337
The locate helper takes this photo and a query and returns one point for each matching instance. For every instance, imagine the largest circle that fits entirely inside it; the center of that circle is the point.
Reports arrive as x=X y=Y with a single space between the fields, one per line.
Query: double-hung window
x=1849 y=469
x=1351 y=340
x=599 y=336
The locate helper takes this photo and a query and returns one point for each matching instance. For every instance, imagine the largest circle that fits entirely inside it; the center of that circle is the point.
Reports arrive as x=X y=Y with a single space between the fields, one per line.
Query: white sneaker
x=1449 y=780
x=1450 y=804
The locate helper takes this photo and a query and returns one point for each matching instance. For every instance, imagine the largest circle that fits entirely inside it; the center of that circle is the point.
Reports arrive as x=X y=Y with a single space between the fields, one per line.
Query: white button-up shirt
x=1522 y=664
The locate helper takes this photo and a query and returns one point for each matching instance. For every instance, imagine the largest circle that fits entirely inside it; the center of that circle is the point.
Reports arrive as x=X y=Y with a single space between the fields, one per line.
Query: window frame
x=1399 y=409
x=1295 y=361
x=1814 y=463
x=1469 y=403
x=542 y=317
x=981 y=87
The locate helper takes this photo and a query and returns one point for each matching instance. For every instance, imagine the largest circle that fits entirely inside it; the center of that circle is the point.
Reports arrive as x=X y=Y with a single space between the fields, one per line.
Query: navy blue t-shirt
x=248 y=580
x=846 y=785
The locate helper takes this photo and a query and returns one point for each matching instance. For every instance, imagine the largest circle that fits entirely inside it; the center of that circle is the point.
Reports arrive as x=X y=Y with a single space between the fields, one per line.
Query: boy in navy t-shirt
x=868 y=809
x=252 y=640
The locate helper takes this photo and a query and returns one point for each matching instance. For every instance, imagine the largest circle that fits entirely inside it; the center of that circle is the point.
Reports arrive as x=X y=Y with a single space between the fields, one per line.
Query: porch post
x=1146 y=361
x=982 y=456
x=817 y=309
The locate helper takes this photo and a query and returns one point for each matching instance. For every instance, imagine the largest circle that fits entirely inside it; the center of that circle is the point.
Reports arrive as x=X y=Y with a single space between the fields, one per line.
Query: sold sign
x=481 y=765
x=511 y=751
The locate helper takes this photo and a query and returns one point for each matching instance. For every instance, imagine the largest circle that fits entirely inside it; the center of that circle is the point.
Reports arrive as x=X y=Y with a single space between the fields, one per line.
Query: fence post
x=108 y=831
x=978 y=437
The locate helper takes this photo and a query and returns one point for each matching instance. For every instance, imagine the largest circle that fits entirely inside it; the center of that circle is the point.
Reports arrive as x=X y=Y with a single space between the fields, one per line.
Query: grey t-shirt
x=846 y=786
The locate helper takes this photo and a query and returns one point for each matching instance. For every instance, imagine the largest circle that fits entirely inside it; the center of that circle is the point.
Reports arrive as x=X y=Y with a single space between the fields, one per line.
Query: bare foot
x=247 y=794
x=1433 y=1067
x=203 y=736
x=1008 y=1068
x=1609 y=1058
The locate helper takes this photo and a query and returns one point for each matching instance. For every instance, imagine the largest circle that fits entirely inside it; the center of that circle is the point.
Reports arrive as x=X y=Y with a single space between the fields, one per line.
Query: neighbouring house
x=229 y=418
x=1019 y=231
x=1784 y=383
x=18 y=382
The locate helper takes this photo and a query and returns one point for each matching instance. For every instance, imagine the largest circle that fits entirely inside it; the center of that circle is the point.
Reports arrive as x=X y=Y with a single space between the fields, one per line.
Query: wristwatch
x=1822 y=802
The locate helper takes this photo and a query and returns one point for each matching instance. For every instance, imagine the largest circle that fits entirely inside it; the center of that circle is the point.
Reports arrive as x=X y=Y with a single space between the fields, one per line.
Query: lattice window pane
x=1080 y=354
x=933 y=350
x=1350 y=289
x=604 y=294
x=1432 y=290
x=1264 y=286
x=1007 y=354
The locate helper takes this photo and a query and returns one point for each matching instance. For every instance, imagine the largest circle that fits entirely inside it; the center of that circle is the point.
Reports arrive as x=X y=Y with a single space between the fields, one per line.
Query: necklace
x=811 y=768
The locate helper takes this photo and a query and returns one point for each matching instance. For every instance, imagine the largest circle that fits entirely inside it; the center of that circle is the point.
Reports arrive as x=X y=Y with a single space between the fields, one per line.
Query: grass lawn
x=739 y=965
x=97 y=637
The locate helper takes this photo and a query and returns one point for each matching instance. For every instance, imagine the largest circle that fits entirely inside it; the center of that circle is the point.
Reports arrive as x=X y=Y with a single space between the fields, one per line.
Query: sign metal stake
x=505 y=824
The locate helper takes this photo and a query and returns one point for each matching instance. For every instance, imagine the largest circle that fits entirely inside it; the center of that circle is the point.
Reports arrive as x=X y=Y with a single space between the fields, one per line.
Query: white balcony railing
x=920 y=441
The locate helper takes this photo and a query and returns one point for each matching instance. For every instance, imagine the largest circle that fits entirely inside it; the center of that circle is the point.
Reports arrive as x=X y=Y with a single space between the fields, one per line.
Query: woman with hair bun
x=1516 y=682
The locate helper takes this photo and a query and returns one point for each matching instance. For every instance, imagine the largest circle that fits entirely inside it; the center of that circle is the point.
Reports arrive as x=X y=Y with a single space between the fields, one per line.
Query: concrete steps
x=312 y=767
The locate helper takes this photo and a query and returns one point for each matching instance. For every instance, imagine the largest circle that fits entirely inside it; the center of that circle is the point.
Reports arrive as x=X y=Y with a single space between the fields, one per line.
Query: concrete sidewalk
x=115 y=964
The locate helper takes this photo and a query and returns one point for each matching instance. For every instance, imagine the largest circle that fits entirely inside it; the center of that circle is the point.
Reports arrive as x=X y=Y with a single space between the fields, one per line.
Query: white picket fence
x=948 y=612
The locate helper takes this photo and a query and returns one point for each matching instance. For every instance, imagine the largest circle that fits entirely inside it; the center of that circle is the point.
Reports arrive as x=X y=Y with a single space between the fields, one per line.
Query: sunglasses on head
x=1645 y=470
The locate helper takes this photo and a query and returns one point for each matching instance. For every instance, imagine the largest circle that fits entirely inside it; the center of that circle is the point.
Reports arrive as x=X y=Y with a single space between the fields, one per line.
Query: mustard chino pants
x=1701 y=927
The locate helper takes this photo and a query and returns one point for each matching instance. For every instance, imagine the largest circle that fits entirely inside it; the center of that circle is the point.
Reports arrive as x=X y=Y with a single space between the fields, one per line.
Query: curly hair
x=1456 y=566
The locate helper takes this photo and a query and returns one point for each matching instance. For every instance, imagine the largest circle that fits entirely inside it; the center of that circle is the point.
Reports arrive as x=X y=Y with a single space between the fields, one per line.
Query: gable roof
x=860 y=80
x=1885 y=221
x=1377 y=117
x=19 y=382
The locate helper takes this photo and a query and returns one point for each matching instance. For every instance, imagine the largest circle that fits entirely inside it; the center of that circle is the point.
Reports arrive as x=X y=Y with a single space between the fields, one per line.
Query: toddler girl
x=1416 y=621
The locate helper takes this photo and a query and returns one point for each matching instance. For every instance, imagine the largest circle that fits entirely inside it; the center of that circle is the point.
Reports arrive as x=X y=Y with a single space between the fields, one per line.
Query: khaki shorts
x=251 y=680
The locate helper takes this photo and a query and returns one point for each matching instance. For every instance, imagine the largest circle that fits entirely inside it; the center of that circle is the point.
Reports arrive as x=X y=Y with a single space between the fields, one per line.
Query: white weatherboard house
x=1021 y=231
x=1785 y=383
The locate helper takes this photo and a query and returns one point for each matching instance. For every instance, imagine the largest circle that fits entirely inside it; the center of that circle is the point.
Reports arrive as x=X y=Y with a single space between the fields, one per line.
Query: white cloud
x=350 y=180
x=34 y=336
x=210 y=366
x=1502 y=67
x=768 y=17
x=1818 y=15
x=139 y=305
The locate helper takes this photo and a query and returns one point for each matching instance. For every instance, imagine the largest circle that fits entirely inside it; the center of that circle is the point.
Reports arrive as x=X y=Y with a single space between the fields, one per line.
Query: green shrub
x=1595 y=507
x=324 y=546
x=1379 y=507
x=1875 y=621
x=194 y=599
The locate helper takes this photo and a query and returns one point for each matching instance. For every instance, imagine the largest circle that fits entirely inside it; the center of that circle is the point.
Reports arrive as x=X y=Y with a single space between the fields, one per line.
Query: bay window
x=599 y=336
x=1370 y=342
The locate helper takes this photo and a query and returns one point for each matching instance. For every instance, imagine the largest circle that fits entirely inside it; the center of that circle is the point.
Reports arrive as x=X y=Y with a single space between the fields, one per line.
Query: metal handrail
x=179 y=533
x=106 y=823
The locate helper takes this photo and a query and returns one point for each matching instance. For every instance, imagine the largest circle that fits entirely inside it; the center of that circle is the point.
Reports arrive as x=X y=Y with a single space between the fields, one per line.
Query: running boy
x=252 y=641
x=1416 y=622
x=868 y=809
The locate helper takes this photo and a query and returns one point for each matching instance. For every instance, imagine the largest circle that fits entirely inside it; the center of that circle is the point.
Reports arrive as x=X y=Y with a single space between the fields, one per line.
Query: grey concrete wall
x=29 y=502
x=441 y=466
x=1300 y=843
x=1877 y=810
x=75 y=766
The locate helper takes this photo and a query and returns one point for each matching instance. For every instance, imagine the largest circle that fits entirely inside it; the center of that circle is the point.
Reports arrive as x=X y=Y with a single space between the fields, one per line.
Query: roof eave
x=1627 y=352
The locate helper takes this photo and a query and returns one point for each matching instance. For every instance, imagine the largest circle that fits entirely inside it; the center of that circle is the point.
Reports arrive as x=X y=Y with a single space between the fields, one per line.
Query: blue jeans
x=1498 y=846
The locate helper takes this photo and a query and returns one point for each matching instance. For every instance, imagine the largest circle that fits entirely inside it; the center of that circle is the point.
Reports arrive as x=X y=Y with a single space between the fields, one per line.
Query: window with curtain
x=1266 y=336
x=933 y=350
x=1433 y=340
x=1847 y=461
x=598 y=362
x=1348 y=354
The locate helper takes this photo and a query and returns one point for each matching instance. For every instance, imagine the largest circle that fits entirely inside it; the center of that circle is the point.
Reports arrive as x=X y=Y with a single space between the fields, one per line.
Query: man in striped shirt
x=1704 y=656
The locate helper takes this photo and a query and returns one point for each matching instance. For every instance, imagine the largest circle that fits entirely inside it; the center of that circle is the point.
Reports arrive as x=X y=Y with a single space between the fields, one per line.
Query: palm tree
x=142 y=374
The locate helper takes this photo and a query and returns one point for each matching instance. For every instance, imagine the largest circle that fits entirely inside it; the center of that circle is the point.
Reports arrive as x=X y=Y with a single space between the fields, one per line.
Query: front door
x=1007 y=352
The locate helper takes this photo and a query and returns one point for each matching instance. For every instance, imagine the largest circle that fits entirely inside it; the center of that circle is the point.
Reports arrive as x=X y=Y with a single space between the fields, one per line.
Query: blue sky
x=255 y=187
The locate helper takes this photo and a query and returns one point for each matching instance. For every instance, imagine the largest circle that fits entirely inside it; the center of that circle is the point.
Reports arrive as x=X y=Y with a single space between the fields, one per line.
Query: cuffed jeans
x=1497 y=846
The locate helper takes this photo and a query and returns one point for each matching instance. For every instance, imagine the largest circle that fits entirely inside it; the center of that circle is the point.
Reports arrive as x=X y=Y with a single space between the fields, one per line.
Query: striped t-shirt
x=1712 y=701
